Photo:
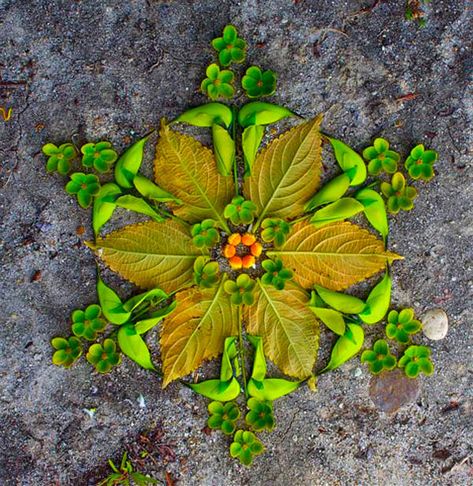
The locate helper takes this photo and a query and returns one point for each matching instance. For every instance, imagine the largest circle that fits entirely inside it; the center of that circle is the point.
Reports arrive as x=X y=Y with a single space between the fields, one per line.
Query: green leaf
x=131 y=304
x=346 y=347
x=229 y=354
x=133 y=345
x=377 y=303
x=129 y=163
x=375 y=210
x=207 y=115
x=146 y=324
x=260 y=113
x=271 y=388
x=348 y=304
x=112 y=306
x=138 y=205
x=224 y=149
x=259 y=361
x=150 y=190
x=330 y=192
x=104 y=205
x=347 y=158
x=331 y=318
x=344 y=208
x=250 y=141
x=223 y=391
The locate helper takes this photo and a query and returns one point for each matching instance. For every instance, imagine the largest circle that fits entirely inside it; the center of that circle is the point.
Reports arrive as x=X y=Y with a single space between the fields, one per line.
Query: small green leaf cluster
x=206 y=274
x=240 y=211
x=276 y=275
x=275 y=230
x=401 y=325
x=241 y=290
x=125 y=475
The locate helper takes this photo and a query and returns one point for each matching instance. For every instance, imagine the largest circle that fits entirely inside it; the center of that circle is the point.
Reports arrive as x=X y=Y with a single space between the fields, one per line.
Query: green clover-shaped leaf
x=415 y=360
x=245 y=446
x=276 y=230
x=230 y=47
x=260 y=417
x=205 y=272
x=241 y=290
x=100 y=156
x=205 y=234
x=84 y=186
x=379 y=358
x=240 y=211
x=380 y=158
x=276 y=275
x=87 y=323
x=68 y=350
x=420 y=163
x=223 y=416
x=399 y=195
x=59 y=158
x=218 y=84
x=259 y=83
x=104 y=356
x=401 y=325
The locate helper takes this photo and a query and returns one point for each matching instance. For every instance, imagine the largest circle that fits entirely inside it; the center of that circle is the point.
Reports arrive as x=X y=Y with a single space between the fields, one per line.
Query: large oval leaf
x=288 y=328
x=186 y=169
x=286 y=173
x=196 y=330
x=335 y=256
x=150 y=254
x=133 y=345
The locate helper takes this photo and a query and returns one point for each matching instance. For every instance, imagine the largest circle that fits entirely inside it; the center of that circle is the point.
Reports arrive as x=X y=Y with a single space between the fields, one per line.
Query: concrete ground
x=110 y=70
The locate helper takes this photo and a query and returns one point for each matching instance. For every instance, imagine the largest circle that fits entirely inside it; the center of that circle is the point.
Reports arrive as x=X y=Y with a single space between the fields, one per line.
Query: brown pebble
x=80 y=230
x=36 y=277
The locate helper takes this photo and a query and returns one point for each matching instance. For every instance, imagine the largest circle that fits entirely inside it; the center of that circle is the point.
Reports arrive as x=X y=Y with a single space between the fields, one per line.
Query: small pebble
x=435 y=324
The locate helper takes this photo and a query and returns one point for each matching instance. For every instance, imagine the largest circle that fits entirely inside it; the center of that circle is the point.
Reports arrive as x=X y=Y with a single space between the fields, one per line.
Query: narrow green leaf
x=330 y=192
x=344 y=208
x=152 y=191
x=346 y=347
x=207 y=115
x=331 y=318
x=157 y=294
x=377 y=303
x=375 y=210
x=129 y=163
x=146 y=324
x=347 y=158
x=218 y=390
x=224 y=149
x=259 y=113
x=259 y=362
x=104 y=205
x=138 y=205
x=348 y=304
x=251 y=140
x=271 y=388
x=111 y=304
x=133 y=345
x=229 y=354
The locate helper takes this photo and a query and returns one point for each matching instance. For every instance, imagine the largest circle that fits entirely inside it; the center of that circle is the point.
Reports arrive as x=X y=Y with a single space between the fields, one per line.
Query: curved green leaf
x=260 y=113
x=250 y=142
x=346 y=347
x=330 y=192
x=217 y=390
x=347 y=158
x=348 y=304
x=375 y=210
x=129 y=163
x=271 y=388
x=158 y=294
x=104 y=205
x=133 y=345
x=377 y=303
x=150 y=190
x=331 y=318
x=207 y=115
x=224 y=149
x=229 y=354
x=138 y=205
x=259 y=360
x=112 y=306
x=344 y=208
x=155 y=318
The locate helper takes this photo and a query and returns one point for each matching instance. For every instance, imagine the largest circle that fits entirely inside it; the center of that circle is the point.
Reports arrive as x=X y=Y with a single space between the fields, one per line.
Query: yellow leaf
x=286 y=174
x=150 y=254
x=335 y=256
x=186 y=169
x=289 y=329
x=196 y=330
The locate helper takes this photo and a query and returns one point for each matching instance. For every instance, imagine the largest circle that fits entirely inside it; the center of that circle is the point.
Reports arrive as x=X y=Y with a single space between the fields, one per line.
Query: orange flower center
x=241 y=250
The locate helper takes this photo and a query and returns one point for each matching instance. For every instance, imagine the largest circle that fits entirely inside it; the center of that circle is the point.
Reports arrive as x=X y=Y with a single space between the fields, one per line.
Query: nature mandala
x=245 y=255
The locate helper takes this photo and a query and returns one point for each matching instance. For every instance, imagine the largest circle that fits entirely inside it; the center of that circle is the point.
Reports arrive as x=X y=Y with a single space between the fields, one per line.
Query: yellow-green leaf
x=346 y=347
x=196 y=330
x=377 y=303
x=289 y=330
x=286 y=173
x=375 y=210
x=150 y=254
x=186 y=169
x=335 y=256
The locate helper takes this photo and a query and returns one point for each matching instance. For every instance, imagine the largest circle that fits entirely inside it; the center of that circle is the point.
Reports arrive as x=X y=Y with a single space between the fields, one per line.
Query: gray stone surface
x=110 y=69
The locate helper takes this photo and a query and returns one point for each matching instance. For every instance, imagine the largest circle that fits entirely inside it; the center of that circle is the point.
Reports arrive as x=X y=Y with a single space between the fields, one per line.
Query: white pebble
x=435 y=324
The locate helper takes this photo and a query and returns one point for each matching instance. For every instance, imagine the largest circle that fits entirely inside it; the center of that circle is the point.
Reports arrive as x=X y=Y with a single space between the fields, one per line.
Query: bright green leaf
x=260 y=113
x=104 y=205
x=347 y=158
x=348 y=304
x=377 y=303
x=331 y=318
x=250 y=141
x=224 y=149
x=217 y=390
x=344 y=208
x=375 y=210
x=157 y=294
x=111 y=304
x=229 y=354
x=133 y=203
x=146 y=324
x=259 y=361
x=346 y=347
x=133 y=345
x=207 y=115
x=152 y=191
x=129 y=163
x=271 y=388
x=330 y=192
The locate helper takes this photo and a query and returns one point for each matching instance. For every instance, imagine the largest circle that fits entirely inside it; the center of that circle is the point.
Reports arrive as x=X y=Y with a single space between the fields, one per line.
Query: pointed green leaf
x=344 y=208
x=146 y=324
x=156 y=294
x=259 y=361
x=347 y=158
x=377 y=303
x=250 y=142
x=129 y=163
x=330 y=192
x=229 y=354
x=260 y=113
x=271 y=388
x=375 y=210
x=152 y=191
x=207 y=115
x=224 y=149
x=348 y=304
x=331 y=318
x=104 y=205
x=138 y=205
x=218 y=390
x=346 y=347
x=111 y=304
x=133 y=345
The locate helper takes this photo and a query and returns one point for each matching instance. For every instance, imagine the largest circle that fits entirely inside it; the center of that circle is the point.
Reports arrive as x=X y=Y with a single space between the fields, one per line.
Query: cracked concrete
x=111 y=70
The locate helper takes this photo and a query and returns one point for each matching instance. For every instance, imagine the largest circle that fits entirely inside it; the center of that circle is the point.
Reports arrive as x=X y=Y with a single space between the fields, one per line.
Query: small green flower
x=88 y=324
x=416 y=359
x=240 y=211
x=245 y=446
x=259 y=83
x=85 y=186
x=398 y=194
x=218 y=83
x=241 y=291
x=420 y=163
x=205 y=234
x=68 y=351
x=401 y=324
x=223 y=417
x=230 y=47
x=379 y=358
x=205 y=273
x=260 y=417
x=104 y=357
x=99 y=155
x=276 y=275
x=276 y=230
x=59 y=157
x=380 y=157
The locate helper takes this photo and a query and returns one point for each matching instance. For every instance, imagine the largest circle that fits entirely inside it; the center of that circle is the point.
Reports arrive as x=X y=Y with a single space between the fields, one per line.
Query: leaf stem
x=235 y=164
x=242 y=351
x=301 y=218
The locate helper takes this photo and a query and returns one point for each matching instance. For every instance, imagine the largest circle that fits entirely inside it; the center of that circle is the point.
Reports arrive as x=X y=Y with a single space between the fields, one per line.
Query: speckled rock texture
x=111 y=69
